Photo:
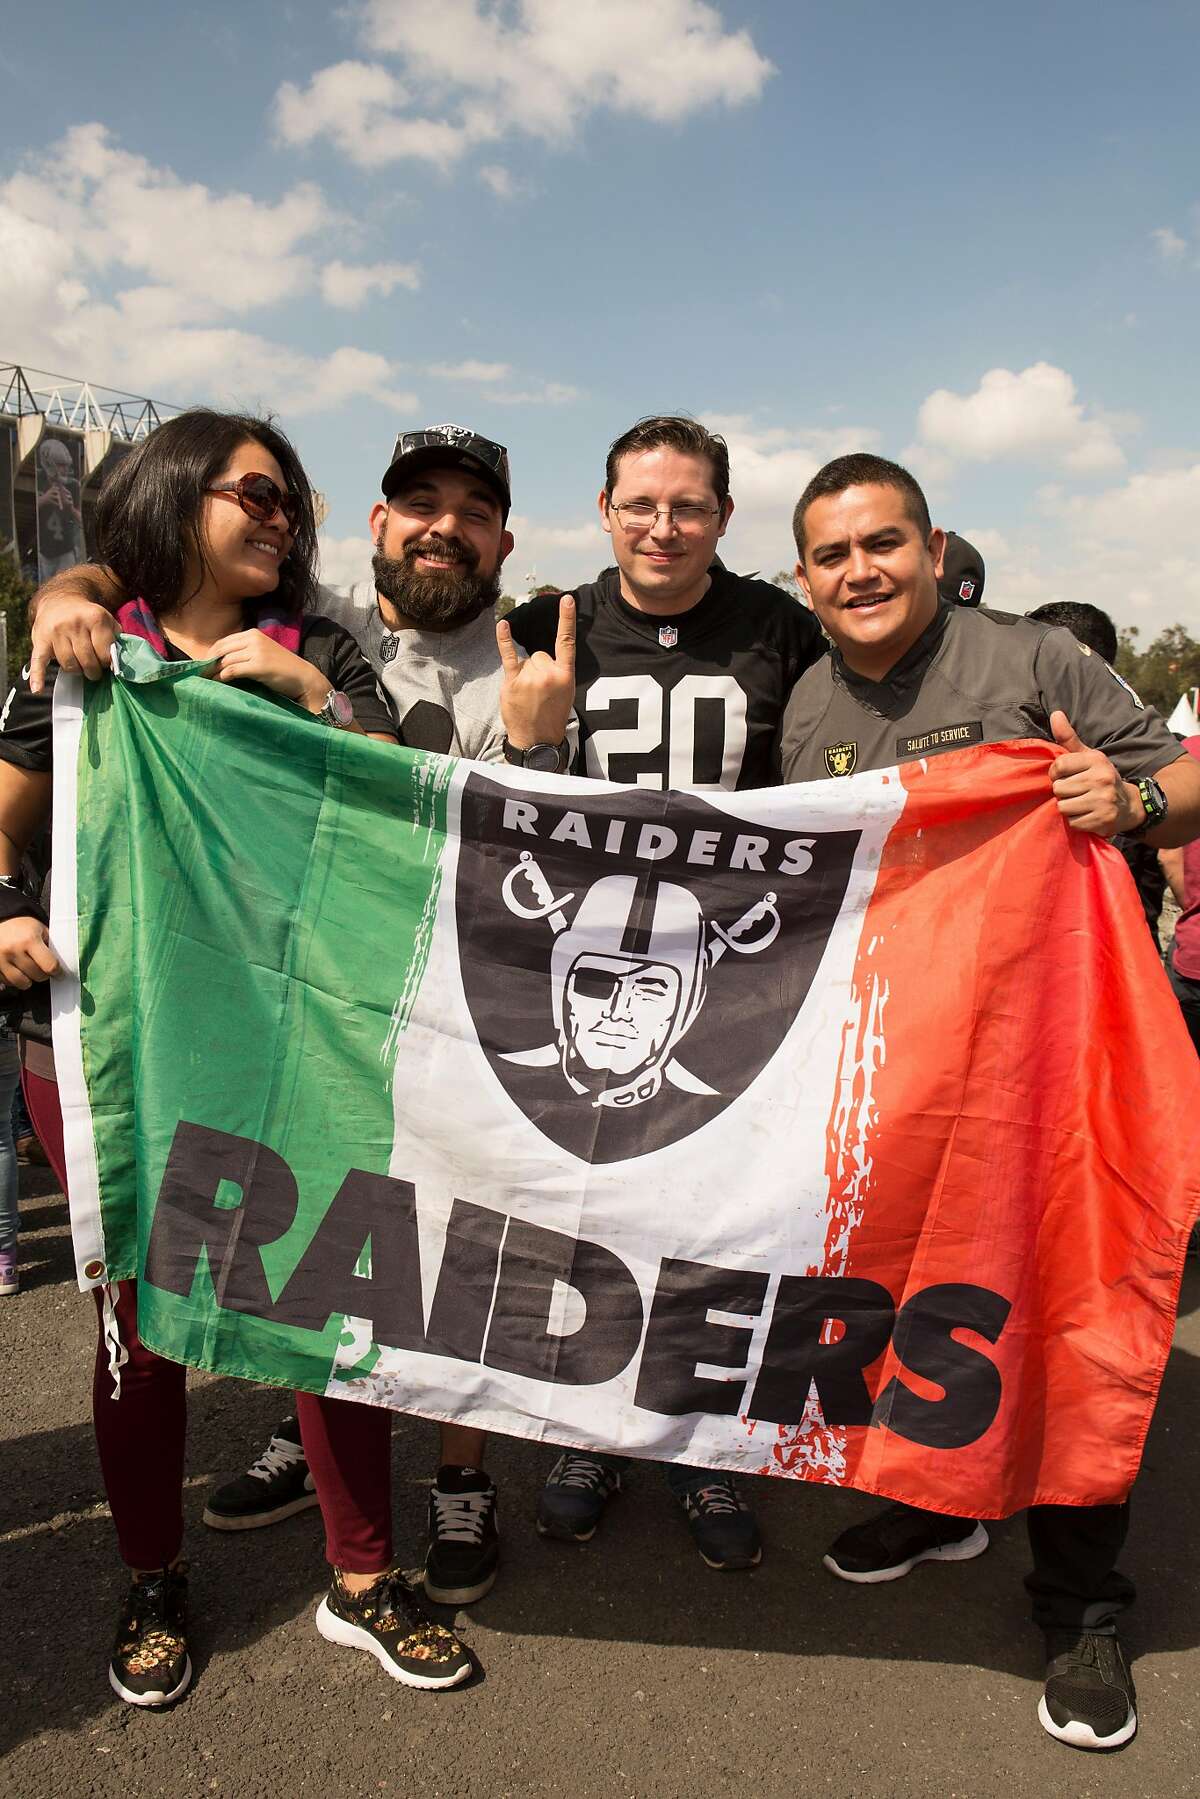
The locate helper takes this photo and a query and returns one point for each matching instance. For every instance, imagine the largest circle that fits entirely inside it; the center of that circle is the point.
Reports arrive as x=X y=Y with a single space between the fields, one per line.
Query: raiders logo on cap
x=840 y=758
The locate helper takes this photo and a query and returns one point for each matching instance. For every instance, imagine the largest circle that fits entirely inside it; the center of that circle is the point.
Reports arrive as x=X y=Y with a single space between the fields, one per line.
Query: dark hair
x=148 y=513
x=1087 y=624
x=860 y=470
x=671 y=432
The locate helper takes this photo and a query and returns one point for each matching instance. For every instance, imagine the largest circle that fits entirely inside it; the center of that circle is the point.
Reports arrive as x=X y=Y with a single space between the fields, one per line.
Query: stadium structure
x=59 y=438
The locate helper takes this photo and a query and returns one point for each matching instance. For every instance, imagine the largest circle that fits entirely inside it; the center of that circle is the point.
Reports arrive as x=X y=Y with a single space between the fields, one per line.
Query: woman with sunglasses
x=210 y=523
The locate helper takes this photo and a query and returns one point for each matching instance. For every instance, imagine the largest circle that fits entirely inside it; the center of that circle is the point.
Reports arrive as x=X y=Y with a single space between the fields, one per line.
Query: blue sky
x=969 y=240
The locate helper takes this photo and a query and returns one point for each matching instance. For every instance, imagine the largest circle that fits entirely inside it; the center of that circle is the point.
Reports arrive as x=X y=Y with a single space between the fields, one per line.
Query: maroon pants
x=140 y=1434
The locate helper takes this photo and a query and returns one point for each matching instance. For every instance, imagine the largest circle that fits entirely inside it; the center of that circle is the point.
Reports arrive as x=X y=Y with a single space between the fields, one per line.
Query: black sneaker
x=150 y=1664
x=464 y=1540
x=273 y=1487
x=574 y=1497
x=894 y=1541
x=389 y=1622
x=1089 y=1701
x=723 y=1527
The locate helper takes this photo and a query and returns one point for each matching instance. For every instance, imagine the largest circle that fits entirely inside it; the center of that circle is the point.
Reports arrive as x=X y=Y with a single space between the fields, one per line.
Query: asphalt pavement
x=624 y=1667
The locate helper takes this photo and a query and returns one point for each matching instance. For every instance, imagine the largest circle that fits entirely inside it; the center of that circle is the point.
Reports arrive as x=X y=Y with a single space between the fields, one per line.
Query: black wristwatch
x=1155 y=803
x=542 y=758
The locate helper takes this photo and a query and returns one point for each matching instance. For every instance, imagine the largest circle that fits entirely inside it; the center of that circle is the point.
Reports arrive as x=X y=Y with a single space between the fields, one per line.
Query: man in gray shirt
x=913 y=676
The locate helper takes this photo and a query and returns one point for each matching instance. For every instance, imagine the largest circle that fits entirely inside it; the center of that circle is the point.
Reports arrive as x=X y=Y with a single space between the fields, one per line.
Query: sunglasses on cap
x=454 y=437
x=260 y=499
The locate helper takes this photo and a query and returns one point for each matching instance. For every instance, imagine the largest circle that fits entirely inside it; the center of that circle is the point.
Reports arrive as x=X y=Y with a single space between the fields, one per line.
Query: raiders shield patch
x=628 y=979
x=840 y=758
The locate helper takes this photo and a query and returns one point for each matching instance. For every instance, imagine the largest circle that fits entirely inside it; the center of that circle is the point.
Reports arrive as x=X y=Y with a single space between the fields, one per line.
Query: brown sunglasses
x=260 y=499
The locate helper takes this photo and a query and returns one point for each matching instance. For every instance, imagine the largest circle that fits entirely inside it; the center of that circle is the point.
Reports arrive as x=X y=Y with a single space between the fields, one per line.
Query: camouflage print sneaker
x=150 y=1663
x=389 y=1622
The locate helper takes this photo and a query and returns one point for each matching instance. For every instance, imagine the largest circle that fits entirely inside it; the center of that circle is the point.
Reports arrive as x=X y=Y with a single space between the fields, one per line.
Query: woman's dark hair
x=149 y=510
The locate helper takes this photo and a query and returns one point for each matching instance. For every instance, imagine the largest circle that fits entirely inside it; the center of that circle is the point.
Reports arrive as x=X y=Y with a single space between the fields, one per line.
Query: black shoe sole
x=459 y=1595
x=257 y=1520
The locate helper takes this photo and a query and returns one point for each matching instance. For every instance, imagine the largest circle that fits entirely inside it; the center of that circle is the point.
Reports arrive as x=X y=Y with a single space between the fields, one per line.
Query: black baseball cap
x=439 y=446
x=962 y=572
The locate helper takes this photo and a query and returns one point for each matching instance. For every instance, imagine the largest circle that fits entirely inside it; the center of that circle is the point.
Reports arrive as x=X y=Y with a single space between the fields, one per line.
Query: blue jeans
x=10 y=1074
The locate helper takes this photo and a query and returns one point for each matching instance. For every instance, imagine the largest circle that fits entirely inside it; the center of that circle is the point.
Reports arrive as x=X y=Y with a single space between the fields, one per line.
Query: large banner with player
x=844 y=1132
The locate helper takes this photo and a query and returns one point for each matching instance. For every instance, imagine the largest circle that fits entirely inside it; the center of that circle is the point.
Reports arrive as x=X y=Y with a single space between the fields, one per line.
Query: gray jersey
x=972 y=677
x=444 y=686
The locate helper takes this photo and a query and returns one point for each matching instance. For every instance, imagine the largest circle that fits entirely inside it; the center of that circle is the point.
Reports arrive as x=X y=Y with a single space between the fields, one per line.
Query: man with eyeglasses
x=426 y=625
x=682 y=674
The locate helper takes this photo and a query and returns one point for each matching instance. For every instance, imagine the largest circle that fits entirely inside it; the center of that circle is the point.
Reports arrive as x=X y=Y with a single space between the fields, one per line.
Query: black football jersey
x=691 y=701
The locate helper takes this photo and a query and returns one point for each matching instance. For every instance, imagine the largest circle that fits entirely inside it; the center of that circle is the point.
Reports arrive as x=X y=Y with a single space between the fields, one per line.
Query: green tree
x=1162 y=671
x=15 y=595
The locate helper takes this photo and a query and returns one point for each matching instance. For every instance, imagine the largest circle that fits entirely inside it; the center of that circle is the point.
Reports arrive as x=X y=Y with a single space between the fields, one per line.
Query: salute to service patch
x=841 y=757
x=945 y=737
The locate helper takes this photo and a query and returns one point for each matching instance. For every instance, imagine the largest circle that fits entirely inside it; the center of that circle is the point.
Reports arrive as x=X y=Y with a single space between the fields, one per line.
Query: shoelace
x=717 y=1498
x=581 y=1471
x=460 y=1516
x=397 y=1601
x=275 y=1458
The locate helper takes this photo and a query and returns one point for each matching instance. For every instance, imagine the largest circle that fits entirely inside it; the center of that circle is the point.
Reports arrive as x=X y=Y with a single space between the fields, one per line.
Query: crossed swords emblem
x=749 y=935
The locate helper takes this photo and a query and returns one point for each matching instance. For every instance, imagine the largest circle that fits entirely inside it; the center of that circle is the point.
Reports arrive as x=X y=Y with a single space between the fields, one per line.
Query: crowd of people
x=667 y=671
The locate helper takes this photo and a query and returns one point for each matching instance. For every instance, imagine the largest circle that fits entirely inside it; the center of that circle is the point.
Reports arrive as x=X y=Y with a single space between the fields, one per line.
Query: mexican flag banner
x=845 y=1132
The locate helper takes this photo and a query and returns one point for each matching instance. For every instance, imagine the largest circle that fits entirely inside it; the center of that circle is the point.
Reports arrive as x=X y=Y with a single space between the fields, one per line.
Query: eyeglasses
x=640 y=515
x=260 y=499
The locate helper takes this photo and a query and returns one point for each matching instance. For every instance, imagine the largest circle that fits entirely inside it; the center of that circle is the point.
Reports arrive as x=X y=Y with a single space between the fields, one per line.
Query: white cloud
x=469 y=75
x=119 y=269
x=471 y=371
x=502 y=182
x=565 y=553
x=542 y=393
x=1035 y=414
x=1170 y=246
x=349 y=285
x=345 y=561
x=769 y=467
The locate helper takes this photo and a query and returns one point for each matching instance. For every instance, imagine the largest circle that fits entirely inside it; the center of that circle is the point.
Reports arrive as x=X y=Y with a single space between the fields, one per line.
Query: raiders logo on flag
x=628 y=979
x=840 y=758
x=668 y=636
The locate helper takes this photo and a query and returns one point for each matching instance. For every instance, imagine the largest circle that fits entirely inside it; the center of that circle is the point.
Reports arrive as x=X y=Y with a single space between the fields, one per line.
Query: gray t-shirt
x=444 y=686
x=975 y=676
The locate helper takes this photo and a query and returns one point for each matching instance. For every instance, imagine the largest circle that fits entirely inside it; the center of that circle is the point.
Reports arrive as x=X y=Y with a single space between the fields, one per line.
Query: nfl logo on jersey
x=668 y=636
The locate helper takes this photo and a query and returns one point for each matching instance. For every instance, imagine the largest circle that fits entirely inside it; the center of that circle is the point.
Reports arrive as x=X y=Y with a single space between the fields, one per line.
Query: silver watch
x=337 y=711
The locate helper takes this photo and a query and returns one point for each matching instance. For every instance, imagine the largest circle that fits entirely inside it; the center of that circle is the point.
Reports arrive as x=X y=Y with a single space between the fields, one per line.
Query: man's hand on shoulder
x=536 y=695
x=1088 y=787
x=73 y=624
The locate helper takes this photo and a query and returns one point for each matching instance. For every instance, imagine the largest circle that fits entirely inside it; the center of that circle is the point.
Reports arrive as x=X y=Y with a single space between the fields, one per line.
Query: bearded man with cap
x=426 y=625
x=912 y=674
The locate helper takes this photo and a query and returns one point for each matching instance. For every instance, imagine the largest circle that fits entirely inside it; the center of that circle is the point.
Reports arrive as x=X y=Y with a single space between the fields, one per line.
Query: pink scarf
x=136 y=620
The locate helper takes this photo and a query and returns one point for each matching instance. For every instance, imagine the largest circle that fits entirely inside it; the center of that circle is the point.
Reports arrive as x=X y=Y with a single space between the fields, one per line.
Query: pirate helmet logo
x=840 y=758
x=628 y=978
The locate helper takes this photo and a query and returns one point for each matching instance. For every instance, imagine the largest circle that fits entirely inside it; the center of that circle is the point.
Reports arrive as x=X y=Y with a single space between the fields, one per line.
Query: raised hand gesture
x=537 y=693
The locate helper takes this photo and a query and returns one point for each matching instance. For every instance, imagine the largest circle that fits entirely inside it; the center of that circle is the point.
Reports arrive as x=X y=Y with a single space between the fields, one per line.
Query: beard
x=436 y=602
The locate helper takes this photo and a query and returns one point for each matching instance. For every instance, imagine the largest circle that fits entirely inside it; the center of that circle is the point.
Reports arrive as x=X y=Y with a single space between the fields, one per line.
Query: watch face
x=543 y=758
x=339 y=709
